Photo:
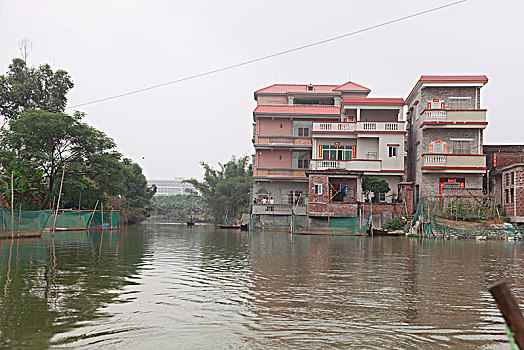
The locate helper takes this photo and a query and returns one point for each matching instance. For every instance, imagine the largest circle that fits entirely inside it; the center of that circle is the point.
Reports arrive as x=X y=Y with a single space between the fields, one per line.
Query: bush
x=397 y=223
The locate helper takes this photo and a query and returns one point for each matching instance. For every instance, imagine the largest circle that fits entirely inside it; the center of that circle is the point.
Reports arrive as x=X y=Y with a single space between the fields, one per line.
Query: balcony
x=453 y=118
x=360 y=126
x=280 y=173
x=352 y=165
x=285 y=141
x=466 y=163
x=278 y=209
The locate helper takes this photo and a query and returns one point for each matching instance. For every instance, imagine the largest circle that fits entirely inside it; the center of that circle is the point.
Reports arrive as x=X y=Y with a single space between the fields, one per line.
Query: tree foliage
x=24 y=87
x=375 y=185
x=39 y=139
x=226 y=190
x=38 y=143
x=178 y=207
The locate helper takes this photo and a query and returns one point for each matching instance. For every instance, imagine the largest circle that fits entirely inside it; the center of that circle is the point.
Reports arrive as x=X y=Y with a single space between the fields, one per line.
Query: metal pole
x=371 y=215
x=12 y=204
x=19 y=215
x=92 y=215
x=59 y=196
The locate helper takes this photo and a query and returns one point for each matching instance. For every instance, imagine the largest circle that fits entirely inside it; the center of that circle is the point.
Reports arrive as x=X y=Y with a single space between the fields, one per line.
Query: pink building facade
x=313 y=145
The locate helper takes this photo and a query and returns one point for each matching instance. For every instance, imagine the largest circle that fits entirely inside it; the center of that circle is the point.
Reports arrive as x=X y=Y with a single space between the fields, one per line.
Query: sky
x=111 y=47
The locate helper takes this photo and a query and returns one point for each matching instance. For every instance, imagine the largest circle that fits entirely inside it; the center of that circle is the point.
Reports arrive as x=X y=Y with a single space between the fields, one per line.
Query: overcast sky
x=111 y=47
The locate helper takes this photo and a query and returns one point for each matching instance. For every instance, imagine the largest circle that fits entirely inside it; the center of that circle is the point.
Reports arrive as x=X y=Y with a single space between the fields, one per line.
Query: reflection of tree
x=89 y=268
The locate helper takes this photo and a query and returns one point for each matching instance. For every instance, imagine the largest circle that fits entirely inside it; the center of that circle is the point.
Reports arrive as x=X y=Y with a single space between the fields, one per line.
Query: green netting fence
x=354 y=225
x=70 y=221
x=109 y=219
x=342 y=226
x=25 y=220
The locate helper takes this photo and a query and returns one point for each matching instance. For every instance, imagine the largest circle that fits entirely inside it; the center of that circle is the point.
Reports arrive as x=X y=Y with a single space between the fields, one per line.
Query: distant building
x=171 y=187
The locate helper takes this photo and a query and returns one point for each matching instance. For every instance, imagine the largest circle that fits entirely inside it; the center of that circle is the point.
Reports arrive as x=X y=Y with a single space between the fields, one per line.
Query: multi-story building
x=367 y=140
x=497 y=158
x=513 y=191
x=333 y=133
x=445 y=134
x=171 y=187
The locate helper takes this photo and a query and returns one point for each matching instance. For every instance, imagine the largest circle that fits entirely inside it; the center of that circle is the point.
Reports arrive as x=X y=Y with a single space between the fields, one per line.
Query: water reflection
x=51 y=285
x=159 y=286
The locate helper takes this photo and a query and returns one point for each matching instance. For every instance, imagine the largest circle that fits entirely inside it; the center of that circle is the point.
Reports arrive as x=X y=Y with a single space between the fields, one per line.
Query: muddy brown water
x=165 y=286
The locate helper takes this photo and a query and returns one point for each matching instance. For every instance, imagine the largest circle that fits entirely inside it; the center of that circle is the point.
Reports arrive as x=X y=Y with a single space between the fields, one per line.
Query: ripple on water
x=164 y=286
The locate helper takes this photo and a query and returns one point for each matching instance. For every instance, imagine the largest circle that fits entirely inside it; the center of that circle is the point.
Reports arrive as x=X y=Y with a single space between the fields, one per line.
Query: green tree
x=24 y=87
x=375 y=185
x=39 y=139
x=38 y=143
x=226 y=190
x=134 y=203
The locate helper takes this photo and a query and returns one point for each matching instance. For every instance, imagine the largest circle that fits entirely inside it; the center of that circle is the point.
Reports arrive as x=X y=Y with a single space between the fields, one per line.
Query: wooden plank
x=509 y=307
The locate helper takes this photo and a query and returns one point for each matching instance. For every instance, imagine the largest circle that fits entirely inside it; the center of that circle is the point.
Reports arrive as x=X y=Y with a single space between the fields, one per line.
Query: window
x=512 y=195
x=461 y=147
x=300 y=159
x=301 y=128
x=295 y=197
x=382 y=197
x=337 y=153
x=512 y=176
x=459 y=102
x=507 y=179
x=303 y=132
x=392 y=150
x=507 y=195
x=318 y=188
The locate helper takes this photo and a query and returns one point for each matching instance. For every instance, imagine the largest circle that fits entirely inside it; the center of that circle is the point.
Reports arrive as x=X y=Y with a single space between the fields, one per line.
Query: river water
x=165 y=286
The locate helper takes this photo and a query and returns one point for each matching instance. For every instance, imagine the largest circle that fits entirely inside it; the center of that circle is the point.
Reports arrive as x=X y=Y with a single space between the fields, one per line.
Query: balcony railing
x=353 y=164
x=282 y=140
x=279 y=209
x=279 y=172
x=360 y=126
x=460 y=162
x=453 y=117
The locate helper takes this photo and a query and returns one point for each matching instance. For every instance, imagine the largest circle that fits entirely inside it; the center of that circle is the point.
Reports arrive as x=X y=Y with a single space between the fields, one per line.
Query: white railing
x=435 y=114
x=328 y=164
x=391 y=126
x=355 y=164
x=370 y=126
x=435 y=159
x=359 y=126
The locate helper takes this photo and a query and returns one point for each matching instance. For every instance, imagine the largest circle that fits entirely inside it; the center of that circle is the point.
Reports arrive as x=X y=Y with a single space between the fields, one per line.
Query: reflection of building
x=171 y=187
x=445 y=134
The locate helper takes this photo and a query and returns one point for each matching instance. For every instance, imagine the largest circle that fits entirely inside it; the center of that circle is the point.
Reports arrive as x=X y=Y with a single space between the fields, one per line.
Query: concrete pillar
x=290 y=100
x=337 y=101
x=358 y=114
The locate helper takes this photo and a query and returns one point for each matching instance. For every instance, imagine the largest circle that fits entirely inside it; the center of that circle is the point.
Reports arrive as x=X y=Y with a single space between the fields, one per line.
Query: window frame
x=317 y=189
x=393 y=151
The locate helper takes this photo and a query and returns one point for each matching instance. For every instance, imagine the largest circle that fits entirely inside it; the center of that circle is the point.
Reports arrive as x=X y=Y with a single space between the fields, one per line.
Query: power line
x=271 y=55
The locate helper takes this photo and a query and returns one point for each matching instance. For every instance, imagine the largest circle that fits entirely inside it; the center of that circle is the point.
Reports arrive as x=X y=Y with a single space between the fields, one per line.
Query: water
x=170 y=286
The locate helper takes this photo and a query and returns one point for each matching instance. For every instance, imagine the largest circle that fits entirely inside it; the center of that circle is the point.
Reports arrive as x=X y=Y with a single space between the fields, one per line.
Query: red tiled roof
x=351 y=86
x=297 y=88
x=503 y=148
x=372 y=101
x=453 y=78
x=285 y=109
